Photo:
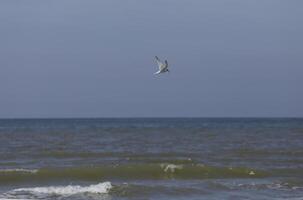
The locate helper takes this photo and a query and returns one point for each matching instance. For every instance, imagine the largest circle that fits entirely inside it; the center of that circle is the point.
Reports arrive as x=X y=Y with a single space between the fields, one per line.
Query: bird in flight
x=163 y=67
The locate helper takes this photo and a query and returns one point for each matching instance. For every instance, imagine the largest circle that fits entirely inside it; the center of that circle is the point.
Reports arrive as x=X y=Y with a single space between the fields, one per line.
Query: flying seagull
x=163 y=67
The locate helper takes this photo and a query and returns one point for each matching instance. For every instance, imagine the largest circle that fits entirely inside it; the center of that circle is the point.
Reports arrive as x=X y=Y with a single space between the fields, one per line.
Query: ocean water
x=152 y=158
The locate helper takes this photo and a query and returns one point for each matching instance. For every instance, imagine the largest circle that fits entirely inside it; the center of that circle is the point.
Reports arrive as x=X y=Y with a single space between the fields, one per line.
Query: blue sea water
x=151 y=158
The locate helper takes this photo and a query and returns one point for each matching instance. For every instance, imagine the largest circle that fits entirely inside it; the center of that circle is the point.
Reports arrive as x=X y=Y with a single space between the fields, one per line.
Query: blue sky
x=228 y=58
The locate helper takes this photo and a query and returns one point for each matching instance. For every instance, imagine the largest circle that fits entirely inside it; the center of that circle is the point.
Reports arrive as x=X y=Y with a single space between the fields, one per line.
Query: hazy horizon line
x=152 y=117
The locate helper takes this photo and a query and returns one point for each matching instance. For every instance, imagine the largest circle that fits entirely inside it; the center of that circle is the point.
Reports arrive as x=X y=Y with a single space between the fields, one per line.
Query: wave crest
x=20 y=170
x=100 y=188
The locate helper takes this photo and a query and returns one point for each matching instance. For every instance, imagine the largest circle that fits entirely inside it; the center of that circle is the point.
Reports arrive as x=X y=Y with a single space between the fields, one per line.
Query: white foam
x=170 y=167
x=252 y=173
x=68 y=190
x=15 y=199
x=20 y=170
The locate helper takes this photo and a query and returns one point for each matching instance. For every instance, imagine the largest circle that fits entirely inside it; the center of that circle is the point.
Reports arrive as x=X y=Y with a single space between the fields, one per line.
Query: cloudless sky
x=72 y=58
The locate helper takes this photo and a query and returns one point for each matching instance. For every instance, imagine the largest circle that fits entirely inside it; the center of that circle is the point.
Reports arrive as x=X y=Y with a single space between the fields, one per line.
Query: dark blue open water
x=177 y=158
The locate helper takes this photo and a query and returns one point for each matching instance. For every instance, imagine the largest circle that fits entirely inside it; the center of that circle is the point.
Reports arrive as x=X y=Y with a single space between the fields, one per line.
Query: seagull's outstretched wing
x=166 y=64
x=158 y=72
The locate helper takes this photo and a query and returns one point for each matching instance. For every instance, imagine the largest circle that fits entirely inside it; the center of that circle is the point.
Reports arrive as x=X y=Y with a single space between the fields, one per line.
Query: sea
x=151 y=158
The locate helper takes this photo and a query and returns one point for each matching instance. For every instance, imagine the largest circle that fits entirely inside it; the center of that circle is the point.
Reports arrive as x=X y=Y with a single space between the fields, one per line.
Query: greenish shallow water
x=151 y=158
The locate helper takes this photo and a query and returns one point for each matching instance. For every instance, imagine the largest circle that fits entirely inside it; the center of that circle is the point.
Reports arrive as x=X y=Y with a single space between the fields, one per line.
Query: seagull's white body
x=163 y=67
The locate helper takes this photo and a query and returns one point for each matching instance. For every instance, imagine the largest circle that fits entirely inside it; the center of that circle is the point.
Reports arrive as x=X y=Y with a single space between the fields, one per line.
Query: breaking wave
x=100 y=188
x=18 y=170
x=62 y=191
